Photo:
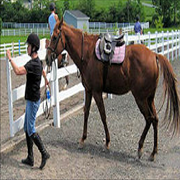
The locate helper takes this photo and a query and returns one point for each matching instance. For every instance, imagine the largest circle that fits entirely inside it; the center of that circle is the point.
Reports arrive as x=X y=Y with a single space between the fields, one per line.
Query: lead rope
x=47 y=101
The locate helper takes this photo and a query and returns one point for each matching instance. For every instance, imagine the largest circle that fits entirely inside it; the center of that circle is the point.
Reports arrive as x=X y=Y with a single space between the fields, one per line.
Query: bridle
x=53 y=51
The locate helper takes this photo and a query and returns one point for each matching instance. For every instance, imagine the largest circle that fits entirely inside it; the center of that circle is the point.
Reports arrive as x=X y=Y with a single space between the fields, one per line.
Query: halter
x=53 y=51
x=54 y=55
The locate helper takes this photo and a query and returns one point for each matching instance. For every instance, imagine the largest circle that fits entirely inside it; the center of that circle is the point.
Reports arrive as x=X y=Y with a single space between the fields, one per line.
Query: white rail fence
x=24 y=32
x=16 y=48
x=166 y=43
x=113 y=27
x=95 y=27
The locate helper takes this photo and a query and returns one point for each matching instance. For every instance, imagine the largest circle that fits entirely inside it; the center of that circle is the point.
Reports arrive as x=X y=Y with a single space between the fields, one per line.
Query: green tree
x=168 y=9
x=0 y=26
x=100 y=15
x=66 y=5
x=113 y=13
x=132 y=9
x=176 y=8
x=120 y=12
x=158 y=23
x=14 y=12
x=87 y=7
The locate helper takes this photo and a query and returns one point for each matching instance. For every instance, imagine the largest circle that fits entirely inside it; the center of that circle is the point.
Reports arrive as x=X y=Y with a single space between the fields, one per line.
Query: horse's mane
x=91 y=36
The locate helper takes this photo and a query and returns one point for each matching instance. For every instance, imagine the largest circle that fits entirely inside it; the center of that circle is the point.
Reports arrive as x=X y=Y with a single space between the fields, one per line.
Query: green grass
x=15 y=39
x=153 y=30
x=98 y=3
x=105 y=4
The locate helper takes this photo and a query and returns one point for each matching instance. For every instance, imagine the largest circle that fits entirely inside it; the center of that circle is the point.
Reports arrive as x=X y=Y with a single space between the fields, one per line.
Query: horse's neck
x=74 y=45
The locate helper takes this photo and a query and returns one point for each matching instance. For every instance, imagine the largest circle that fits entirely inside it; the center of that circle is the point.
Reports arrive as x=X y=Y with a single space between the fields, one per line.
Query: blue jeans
x=30 y=116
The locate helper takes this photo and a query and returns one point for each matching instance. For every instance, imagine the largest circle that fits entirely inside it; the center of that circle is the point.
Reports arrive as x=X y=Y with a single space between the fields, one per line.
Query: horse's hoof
x=81 y=145
x=151 y=158
x=107 y=146
x=140 y=152
x=64 y=87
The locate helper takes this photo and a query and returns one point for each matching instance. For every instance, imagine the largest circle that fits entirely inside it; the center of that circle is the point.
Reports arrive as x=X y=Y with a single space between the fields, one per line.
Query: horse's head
x=57 y=43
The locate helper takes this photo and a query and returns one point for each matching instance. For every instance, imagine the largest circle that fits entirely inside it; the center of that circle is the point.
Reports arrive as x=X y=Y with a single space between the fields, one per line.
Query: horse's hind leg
x=147 y=108
x=100 y=104
x=88 y=99
x=155 y=127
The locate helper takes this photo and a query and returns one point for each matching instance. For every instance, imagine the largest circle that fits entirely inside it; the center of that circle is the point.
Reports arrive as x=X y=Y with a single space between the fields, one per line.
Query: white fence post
x=179 y=43
x=156 y=41
x=4 y=50
x=172 y=45
x=139 y=41
x=126 y=36
x=176 y=44
x=149 y=40
x=168 y=44
x=163 y=42
x=56 y=111
x=8 y=68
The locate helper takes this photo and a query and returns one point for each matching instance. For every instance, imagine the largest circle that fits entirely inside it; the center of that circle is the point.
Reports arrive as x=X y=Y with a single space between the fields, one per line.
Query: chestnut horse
x=139 y=73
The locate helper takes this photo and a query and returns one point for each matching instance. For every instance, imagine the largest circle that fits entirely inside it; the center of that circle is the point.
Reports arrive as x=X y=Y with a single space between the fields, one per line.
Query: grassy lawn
x=107 y=3
x=98 y=3
x=153 y=30
x=15 y=39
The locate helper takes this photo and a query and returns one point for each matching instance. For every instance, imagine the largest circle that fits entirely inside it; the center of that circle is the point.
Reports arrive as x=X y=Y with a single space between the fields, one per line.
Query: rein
x=54 y=50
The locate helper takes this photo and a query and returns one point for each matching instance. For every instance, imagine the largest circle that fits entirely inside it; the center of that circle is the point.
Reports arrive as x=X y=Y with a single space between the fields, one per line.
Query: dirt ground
x=125 y=124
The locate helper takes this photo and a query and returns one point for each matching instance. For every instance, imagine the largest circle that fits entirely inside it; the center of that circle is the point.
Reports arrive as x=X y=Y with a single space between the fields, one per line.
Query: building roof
x=77 y=14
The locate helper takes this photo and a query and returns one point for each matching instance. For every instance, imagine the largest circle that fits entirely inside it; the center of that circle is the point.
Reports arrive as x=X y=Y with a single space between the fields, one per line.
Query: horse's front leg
x=88 y=99
x=100 y=104
x=67 y=82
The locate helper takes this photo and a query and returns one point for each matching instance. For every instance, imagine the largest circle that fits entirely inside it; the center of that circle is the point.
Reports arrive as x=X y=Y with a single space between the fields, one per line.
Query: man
x=52 y=18
x=33 y=70
x=137 y=26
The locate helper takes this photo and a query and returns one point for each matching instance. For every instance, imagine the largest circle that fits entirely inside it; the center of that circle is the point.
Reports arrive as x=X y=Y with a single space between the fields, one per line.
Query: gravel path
x=125 y=124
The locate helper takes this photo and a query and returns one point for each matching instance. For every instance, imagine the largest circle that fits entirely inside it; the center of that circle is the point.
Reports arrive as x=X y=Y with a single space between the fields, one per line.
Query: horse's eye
x=54 y=38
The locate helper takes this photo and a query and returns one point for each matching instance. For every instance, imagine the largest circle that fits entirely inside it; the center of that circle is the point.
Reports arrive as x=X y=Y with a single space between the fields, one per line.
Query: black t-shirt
x=33 y=79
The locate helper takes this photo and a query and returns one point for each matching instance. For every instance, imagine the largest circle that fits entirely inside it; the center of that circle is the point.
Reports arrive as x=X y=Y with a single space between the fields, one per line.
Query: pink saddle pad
x=119 y=53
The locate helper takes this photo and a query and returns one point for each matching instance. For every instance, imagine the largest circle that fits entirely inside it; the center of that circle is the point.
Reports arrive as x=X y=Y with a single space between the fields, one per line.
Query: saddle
x=108 y=44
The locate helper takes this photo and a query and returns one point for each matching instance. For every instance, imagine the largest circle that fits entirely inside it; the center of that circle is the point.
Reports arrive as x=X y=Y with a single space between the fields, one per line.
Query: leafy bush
x=0 y=26
x=158 y=22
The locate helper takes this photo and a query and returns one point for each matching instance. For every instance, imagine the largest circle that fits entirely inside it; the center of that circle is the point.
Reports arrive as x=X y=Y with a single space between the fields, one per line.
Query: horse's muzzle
x=50 y=58
x=48 y=62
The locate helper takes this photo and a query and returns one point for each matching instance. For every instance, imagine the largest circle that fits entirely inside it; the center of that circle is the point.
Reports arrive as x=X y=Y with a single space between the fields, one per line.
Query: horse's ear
x=61 y=22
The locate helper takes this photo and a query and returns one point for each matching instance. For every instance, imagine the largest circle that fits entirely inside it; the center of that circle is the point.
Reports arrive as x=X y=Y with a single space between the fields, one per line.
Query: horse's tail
x=172 y=112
